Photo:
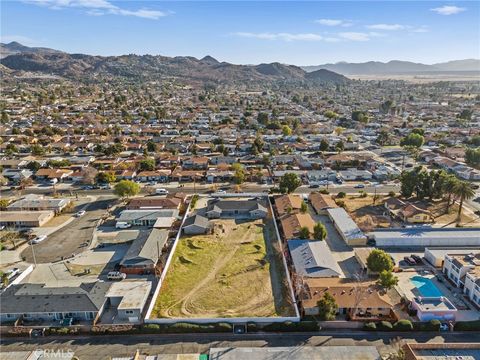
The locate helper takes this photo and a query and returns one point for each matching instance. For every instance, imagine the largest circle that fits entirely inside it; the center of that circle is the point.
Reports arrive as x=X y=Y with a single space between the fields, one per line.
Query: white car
x=122 y=225
x=80 y=213
x=116 y=275
x=221 y=192
x=161 y=191
x=12 y=273
x=38 y=239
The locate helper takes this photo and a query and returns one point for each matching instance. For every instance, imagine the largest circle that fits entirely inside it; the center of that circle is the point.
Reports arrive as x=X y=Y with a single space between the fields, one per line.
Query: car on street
x=152 y=183
x=314 y=186
x=87 y=187
x=220 y=192
x=104 y=186
x=122 y=225
x=161 y=191
x=116 y=275
x=38 y=239
x=12 y=273
x=80 y=213
x=359 y=186
x=444 y=327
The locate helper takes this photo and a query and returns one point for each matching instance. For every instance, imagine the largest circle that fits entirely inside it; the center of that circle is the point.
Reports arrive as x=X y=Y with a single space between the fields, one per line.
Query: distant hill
x=396 y=67
x=17 y=48
x=207 y=69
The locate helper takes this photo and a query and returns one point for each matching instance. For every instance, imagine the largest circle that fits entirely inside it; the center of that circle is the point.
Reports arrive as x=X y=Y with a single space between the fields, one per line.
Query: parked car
x=122 y=225
x=220 y=192
x=314 y=186
x=116 y=275
x=80 y=213
x=444 y=327
x=152 y=183
x=161 y=191
x=12 y=273
x=359 y=186
x=87 y=187
x=104 y=186
x=417 y=258
x=38 y=239
x=409 y=260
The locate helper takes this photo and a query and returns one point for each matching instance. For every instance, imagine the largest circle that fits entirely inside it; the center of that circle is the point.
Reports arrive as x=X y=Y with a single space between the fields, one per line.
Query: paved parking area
x=341 y=252
x=70 y=239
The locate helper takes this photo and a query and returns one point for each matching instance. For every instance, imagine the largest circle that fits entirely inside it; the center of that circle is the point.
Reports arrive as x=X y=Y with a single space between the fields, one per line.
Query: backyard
x=233 y=272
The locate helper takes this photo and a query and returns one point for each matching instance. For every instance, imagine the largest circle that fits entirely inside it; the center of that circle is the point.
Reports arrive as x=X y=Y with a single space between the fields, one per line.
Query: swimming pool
x=425 y=286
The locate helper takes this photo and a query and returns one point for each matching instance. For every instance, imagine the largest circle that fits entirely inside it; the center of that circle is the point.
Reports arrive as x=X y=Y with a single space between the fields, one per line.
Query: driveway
x=70 y=239
x=341 y=252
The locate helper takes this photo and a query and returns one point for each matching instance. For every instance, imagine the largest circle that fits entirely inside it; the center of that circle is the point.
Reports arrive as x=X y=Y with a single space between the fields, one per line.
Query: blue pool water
x=425 y=286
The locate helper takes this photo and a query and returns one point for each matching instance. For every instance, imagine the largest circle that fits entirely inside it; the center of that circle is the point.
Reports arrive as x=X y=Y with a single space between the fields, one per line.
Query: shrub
x=324 y=191
x=391 y=194
x=370 y=326
x=385 y=326
x=341 y=195
x=252 y=327
x=432 y=325
x=467 y=326
x=403 y=325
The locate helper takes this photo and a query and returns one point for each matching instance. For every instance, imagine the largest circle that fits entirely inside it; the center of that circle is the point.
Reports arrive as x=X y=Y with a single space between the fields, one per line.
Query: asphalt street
x=103 y=347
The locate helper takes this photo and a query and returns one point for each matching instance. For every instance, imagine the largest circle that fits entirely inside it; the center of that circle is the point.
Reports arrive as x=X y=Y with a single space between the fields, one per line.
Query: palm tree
x=465 y=191
x=449 y=185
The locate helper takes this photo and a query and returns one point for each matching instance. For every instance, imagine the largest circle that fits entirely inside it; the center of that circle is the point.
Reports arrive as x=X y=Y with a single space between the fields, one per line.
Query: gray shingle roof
x=313 y=259
x=37 y=298
x=146 y=250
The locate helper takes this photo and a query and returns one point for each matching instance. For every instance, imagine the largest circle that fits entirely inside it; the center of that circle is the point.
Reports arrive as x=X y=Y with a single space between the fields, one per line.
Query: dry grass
x=57 y=220
x=225 y=274
x=78 y=270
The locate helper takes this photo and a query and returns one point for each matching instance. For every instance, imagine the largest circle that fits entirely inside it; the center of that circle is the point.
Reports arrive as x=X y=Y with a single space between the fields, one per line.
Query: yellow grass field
x=225 y=274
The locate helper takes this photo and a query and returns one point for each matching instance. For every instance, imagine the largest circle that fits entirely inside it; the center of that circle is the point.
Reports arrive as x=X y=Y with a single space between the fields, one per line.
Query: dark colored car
x=409 y=260
x=417 y=259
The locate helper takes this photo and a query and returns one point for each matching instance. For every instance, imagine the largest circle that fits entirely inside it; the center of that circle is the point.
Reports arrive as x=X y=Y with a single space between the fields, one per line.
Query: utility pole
x=33 y=253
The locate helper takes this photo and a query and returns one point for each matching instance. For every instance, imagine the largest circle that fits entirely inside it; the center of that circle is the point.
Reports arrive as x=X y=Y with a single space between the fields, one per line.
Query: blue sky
x=301 y=33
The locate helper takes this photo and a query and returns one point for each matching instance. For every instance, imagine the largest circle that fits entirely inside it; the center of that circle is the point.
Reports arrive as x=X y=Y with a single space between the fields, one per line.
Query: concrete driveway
x=70 y=239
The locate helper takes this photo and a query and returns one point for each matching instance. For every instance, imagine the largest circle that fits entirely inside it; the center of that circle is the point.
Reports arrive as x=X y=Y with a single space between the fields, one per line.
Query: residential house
x=407 y=212
x=38 y=302
x=50 y=174
x=313 y=259
x=34 y=202
x=464 y=271
x=151 y=202
x=292 y=224
x=142 y=256
x=144 y=217
x=21 y=219
x=434 y=308
x=286 y=204
x=195 y=225
x=321 y=202
x=360 y=300
x=346 y=227
x=236 y=209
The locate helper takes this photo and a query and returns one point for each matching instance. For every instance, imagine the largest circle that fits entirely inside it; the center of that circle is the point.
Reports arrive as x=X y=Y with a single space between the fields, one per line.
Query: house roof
x=131 y=215
x=154 y=203
x=347 y=293
x=321 y=201
x=292 y=223
x=37 y=298
x=146 y=250
x=34 y=201
x=231 y=205
x=345 y=224
x=313 y=258
x=285 y=202
x=197 y=220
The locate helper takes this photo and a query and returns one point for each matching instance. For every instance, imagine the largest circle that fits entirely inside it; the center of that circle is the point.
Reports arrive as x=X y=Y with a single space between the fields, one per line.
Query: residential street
x=103 y=347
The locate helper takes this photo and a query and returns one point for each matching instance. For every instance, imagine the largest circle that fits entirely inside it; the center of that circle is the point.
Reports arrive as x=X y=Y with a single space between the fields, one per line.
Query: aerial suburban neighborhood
x=155 y=207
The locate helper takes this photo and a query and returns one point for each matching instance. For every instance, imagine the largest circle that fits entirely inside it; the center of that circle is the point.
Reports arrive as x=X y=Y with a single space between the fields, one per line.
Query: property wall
x=425 y=241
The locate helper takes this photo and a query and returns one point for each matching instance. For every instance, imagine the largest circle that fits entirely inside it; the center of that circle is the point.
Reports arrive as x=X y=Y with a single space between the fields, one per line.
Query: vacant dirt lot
x=230 y=273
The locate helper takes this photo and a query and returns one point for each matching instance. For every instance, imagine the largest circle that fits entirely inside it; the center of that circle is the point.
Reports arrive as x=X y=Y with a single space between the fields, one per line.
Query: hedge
x=384 y=326
x=371 y=326
x=403 y=325
x=432 y=325
x=292 y=326
x=467 y=325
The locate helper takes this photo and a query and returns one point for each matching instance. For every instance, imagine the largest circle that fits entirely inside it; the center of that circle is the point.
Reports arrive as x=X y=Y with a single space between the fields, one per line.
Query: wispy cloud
x=334 y=22
x=448 y=10
x=355 y=36
x=281 y=36
x=99 y=7
x=387 y=27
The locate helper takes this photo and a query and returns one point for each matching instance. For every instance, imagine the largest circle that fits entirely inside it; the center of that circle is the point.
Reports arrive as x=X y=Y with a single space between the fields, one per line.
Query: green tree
x=262 y=118
x=387 y=280
x=324 y=146
x=464 y=191
x=448 y=188
x=378 y=261
x=472 y=157
x=329 y=114
x=105 y=177
x=303 y=207
x=413 y=139
x=286 y=131
x=340 y=146
x=327 y=307
x=126 y=189
x=147 y=164
x=33 y=166
x=151 y=146
x=319 y=231
x=239 y=173
x=289 y=182
x=304 y=233
x=360 y=116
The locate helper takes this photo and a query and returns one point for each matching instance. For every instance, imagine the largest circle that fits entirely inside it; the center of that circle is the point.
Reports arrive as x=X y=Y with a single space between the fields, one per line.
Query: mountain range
x=397 y=67
x=17 y=58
